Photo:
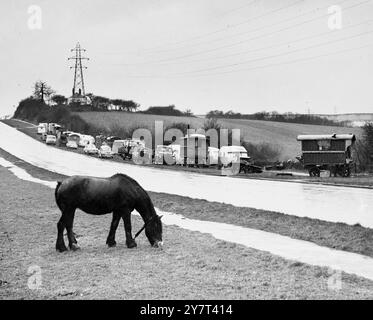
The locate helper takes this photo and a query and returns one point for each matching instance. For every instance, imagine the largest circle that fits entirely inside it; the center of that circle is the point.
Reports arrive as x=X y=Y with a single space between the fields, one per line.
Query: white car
x=51 y=139
x=72 y=144
x=42 y=128
x=90 y=149
x=85 y=140
x=105 y=151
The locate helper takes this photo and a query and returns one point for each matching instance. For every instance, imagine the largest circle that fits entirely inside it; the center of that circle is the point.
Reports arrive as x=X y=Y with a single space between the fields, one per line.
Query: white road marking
x=285 y=247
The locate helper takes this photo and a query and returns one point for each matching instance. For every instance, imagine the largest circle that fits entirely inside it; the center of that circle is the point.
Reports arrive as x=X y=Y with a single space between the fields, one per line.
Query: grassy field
x=278 y=134
x=191 y=266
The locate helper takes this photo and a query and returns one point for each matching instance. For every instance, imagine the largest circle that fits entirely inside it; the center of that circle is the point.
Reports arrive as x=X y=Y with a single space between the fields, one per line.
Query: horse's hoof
x=131 y=244
x=61 y=249
x=112 y=244
x=74 y=247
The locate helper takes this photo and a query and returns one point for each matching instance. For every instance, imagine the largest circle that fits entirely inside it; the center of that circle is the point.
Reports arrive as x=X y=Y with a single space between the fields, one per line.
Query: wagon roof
x=334 y=136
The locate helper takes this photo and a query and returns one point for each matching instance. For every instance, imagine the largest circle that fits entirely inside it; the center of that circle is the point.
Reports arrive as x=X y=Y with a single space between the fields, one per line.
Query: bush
x=30 y=109
x=166 y=111
x=263 y=153
x=212 y=123
x=363 y=150
x=182 y=126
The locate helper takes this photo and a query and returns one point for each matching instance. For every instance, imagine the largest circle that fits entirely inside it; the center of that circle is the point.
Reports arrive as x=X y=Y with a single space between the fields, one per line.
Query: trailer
x=193 y=150
x=327 y=152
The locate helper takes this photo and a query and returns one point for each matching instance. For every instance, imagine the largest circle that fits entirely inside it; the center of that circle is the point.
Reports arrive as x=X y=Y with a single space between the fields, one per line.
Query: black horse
x=118 y=194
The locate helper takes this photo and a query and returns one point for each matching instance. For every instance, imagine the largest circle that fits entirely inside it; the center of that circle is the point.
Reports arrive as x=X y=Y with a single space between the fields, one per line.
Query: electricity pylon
x=78 y=88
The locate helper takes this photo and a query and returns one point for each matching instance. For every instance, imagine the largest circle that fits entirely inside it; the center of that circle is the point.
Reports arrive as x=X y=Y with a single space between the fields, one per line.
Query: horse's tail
x=56 y=191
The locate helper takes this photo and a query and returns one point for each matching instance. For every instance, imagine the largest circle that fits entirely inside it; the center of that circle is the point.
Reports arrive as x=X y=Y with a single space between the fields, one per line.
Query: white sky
x=243 y=55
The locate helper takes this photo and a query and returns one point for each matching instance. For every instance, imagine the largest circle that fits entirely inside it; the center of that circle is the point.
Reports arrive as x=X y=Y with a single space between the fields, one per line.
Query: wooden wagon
x=327 y=152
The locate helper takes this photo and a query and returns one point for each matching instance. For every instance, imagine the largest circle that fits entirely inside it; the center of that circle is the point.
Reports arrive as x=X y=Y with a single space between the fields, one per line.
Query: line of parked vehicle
x=331 y=153
x=192 y=150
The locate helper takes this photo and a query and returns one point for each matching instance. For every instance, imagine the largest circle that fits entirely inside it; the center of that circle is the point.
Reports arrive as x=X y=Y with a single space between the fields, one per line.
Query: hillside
x=278 y=134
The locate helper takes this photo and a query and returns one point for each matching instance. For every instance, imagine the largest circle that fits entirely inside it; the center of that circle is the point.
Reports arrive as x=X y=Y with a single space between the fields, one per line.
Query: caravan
x=42 y=128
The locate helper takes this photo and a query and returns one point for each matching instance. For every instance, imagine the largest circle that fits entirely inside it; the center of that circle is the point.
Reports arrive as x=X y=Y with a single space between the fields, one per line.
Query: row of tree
x=275 y=116
x=168 y=111
x=43 y=92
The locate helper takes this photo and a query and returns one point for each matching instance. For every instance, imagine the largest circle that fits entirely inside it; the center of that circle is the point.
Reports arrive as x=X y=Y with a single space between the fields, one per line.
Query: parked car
x=43 y=136
x=74 y=136
x=52 y=128
x=142 y=155
x=212 y=156
x=105 y=151
x=50 y=139
x=230 y=154
x=61 y=138
x=176 y=152
x=117 y=144
x=164 y=155
x=238 y=154
x=42 y=128
x=193 y=150
x=110 y=140
x=85 y=140
x=128 y=146
x=72 y=144
x=90 y=148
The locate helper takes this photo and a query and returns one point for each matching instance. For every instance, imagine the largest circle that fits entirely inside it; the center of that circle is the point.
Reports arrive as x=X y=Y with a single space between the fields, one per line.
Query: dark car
x=110 y=140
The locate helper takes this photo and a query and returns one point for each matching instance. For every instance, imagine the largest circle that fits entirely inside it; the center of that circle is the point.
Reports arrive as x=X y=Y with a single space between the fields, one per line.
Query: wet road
x=330 y=203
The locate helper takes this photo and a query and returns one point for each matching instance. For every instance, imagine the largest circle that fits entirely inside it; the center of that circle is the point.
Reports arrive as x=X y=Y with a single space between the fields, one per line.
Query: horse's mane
x=145 y=193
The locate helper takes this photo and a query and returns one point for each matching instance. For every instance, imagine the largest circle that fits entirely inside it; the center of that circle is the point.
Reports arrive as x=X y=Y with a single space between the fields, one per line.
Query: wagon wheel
x=314 y=172
x=346 y=171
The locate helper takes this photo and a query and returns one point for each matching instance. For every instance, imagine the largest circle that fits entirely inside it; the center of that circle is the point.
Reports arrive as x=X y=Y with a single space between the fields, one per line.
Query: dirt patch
x=191 y=266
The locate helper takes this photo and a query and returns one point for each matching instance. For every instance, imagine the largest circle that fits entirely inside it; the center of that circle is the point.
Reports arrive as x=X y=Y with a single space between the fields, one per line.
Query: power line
x=257 y=29
x=290 y=62
x=239 y=8
x=257 y=49
x=250 y=39
x=257 y=67
x=233 y=25
x=280 y=54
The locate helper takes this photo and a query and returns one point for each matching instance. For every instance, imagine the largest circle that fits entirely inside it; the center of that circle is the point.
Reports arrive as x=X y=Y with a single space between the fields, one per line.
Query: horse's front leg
x=130 y=242
x=73 y=244
x=113 y=228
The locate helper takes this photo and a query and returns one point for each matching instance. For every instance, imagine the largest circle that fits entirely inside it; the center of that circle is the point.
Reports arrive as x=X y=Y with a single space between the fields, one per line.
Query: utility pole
x=78 y=90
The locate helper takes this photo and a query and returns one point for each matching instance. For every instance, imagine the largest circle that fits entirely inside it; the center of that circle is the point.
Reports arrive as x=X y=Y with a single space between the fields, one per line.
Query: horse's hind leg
x=60 y=244
x=69 y=227
x=130 y=242
x=113 y=228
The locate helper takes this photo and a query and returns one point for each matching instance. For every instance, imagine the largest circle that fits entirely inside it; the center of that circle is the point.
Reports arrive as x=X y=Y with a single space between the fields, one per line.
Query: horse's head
x=153 y=231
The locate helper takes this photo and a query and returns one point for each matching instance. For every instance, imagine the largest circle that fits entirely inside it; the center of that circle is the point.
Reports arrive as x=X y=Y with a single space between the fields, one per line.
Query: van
x=42 y=128
x=116 y=145
x=230 y=154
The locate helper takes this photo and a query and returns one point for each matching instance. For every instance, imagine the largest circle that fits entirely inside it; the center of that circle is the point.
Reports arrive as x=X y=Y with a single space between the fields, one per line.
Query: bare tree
x=42 y=91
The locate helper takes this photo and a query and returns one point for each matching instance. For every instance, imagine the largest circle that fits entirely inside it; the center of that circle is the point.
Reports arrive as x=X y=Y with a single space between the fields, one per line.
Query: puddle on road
x=285 y=247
